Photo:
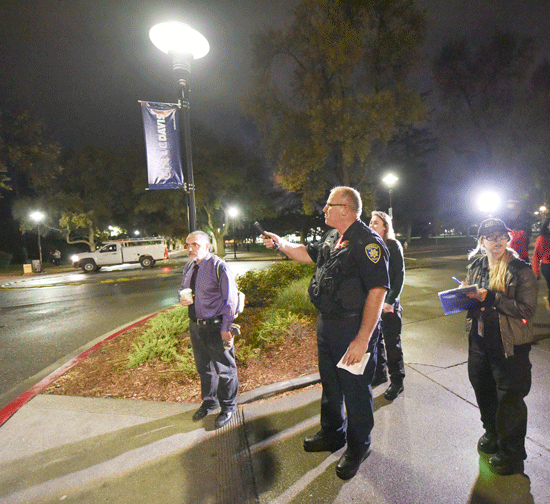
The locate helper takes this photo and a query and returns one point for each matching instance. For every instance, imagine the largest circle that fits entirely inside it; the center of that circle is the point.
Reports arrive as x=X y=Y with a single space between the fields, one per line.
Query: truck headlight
x=74 y=258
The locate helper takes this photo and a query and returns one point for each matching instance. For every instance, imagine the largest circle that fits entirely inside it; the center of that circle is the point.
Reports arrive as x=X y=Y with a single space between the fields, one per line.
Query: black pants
x=340 y=387
x=392 y=356
x=500 y=384
x=216 y=366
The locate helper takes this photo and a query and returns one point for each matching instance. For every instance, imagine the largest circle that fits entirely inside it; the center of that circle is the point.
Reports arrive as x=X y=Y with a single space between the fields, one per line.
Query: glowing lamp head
x=179 y=38
x=233 y=212
x=37 y=217
x=390 y=179
x=489 y=202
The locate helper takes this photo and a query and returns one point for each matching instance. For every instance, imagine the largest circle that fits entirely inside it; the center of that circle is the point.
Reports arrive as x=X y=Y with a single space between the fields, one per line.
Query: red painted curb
x=9 y=410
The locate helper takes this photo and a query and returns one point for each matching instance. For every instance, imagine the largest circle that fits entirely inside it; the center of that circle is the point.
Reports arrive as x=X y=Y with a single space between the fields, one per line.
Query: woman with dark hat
x=500 y=337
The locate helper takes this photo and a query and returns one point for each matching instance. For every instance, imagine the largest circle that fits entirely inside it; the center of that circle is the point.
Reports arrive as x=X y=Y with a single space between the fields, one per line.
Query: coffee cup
x=187 y=294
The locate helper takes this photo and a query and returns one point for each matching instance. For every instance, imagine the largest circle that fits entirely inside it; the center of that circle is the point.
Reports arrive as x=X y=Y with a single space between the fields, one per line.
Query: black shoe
x=202 y=412
x=505 y=466
x=349 y=464
x=488 y=443
x=223 y=418
x=320 y=443
x=393 y=391
x=378 y=380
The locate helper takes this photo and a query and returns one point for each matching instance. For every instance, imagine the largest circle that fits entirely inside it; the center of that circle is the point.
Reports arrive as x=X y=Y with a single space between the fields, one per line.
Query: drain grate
x=235 y=481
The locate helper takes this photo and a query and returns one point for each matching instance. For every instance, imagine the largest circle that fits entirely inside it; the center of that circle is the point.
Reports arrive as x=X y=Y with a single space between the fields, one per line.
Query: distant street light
x=233 y=213
x=184 y=44
x=390 y=179
x=38 y=217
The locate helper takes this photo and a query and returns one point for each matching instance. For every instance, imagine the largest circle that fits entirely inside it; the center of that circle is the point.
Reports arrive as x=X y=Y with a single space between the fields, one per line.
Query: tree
x=494 y=122
x=226 y=174
x=333 y=86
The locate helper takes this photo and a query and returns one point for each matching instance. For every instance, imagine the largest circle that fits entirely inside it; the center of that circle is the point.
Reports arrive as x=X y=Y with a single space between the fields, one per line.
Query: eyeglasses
x=496 y=237
x=330 y=205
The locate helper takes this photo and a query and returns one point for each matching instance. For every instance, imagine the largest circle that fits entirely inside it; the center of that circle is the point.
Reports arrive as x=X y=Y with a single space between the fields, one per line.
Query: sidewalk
x=82 y=450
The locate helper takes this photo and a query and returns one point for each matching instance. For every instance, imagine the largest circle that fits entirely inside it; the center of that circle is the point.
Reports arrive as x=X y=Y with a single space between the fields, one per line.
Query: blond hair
x=497 y=271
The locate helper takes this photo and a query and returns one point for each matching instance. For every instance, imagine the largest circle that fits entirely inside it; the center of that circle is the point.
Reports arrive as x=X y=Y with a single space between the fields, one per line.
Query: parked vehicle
x=145 y=251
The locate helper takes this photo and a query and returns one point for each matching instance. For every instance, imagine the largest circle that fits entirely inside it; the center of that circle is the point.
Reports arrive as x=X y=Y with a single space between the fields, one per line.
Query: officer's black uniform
x=347 y=268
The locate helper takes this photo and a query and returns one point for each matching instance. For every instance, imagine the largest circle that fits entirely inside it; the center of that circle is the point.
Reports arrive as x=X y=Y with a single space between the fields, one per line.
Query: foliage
x=332 y=86
x=495 y=122
x=290 y=305
x=160 y=339
x=261 y=286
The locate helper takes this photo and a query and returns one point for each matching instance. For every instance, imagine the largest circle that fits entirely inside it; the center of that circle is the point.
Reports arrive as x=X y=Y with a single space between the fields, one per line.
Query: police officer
x=348 y=289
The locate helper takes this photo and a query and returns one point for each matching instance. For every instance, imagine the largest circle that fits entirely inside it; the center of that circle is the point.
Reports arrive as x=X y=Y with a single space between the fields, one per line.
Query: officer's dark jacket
x=397 y=272
x=345 y=275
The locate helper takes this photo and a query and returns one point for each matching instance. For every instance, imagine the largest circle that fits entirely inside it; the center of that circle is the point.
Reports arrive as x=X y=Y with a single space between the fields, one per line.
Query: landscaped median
x=153 y=360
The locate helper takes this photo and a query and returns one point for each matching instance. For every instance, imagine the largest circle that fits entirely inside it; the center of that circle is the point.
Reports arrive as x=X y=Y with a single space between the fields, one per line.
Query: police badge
x=373 y=252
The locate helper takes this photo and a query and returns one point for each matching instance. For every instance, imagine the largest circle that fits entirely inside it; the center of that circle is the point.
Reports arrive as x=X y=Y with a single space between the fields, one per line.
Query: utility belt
x=208 y=321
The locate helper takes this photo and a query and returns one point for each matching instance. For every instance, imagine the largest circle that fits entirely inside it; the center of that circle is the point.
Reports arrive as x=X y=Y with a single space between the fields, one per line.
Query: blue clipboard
x=457 y=300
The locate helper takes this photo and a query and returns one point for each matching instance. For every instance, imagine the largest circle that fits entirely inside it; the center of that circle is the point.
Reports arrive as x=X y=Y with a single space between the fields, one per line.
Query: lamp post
x=38 y=217
x=233 y=213
x=390 y=179
x=184 y=44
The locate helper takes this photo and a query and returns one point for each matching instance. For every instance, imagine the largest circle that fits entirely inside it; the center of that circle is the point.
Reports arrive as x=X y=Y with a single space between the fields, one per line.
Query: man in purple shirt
x=211 y=315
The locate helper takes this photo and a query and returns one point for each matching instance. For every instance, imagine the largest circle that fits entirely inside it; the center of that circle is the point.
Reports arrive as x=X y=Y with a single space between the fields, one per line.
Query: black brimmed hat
x=489 y=226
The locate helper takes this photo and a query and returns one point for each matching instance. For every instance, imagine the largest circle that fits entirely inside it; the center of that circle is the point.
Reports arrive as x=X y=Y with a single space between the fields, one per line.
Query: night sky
x=82 y=65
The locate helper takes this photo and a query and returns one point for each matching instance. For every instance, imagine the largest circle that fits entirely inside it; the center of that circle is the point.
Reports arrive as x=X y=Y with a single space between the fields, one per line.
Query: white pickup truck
x=146 y=251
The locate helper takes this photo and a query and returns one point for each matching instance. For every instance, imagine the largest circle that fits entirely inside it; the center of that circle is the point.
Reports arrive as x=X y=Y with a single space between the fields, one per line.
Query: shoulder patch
x=373 y=252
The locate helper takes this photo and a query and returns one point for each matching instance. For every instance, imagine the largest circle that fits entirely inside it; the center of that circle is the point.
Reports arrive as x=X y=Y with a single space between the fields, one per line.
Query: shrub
x=284 y=286
x=262 y=286
x=292 y=306
x=160 y=338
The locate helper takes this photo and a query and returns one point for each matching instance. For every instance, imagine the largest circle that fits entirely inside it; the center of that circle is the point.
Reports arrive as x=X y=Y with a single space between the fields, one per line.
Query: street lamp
x=184 y=44
x=38 y=217
x=233 y=213
x=390 y=179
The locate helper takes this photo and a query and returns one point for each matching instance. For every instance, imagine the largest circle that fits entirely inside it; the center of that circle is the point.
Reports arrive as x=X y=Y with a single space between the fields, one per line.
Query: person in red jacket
x=541 y=256
x=519 y=223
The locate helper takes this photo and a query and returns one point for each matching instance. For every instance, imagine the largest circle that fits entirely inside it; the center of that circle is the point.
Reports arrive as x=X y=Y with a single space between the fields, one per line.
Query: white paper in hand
x=358 y=368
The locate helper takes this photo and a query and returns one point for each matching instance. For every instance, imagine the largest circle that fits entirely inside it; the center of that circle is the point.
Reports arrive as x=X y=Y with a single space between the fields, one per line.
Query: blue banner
x=162 y=143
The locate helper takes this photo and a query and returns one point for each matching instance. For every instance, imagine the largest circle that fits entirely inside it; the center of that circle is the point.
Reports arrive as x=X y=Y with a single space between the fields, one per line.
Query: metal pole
x=390 y=211
x=39 y=245
x=182 y=71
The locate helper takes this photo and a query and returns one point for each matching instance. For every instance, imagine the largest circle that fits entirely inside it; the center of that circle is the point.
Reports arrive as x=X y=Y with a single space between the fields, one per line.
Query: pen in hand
x=457 y=280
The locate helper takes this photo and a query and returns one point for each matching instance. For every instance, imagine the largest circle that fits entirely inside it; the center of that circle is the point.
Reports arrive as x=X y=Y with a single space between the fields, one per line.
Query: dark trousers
x=340 y=387
x=500 y=385
x=545 y=272
x=389 y=350
x=216 y=366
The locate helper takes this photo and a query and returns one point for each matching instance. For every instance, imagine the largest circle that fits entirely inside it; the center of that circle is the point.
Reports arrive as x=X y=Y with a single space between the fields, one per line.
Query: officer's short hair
x=352 y=197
